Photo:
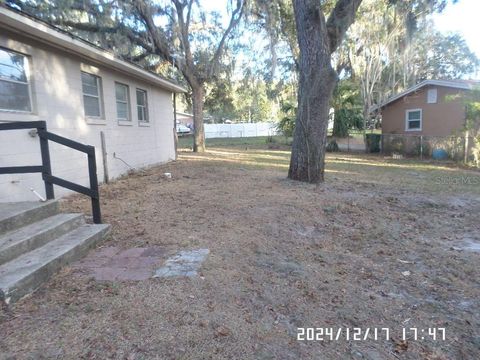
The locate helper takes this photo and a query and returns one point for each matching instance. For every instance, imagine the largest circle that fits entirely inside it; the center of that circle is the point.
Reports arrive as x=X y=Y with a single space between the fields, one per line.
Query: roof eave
x=445 y=83
x=36 y=30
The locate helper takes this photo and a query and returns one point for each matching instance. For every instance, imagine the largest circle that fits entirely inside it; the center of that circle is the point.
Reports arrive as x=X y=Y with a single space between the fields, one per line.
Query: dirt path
x=282 y=255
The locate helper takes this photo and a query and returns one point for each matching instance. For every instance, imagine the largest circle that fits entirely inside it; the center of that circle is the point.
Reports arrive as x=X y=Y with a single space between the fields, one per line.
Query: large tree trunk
x=316 y=85
x=366 y=115
x=198 y=97
x=317 y=40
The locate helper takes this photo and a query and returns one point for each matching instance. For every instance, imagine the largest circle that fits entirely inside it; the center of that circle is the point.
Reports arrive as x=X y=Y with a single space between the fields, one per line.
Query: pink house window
x=413 y=120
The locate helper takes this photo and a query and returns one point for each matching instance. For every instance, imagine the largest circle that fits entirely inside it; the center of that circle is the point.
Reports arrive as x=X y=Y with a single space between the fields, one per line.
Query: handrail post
x=47 y=167
x=92 y=173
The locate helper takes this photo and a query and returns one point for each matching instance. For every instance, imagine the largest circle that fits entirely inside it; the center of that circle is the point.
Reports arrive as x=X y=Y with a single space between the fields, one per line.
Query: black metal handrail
x=46 y=169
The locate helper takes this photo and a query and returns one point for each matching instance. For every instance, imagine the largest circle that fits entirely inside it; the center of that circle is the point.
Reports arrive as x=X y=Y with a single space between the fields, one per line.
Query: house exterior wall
x=439 y=119
x=56 y=87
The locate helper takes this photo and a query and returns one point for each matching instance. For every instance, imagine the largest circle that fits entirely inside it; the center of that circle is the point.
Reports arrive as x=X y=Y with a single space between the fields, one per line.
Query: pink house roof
x=458 y=84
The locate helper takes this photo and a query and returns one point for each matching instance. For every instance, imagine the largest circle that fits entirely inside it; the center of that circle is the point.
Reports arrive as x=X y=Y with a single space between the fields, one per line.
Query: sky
x=462 y=18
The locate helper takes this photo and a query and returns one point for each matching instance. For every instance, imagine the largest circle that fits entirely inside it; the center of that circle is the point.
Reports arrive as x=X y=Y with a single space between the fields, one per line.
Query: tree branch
x=189 y=13
x=184 y=25
x=342 y=16
x=158 y=37
x=137 y=38
x=138 y=58
x=234 y=20
x=287 y=34
x=89 y=27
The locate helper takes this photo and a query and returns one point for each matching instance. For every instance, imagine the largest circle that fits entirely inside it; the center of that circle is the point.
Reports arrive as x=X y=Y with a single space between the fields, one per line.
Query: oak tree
x=180 y=32
x=318 y=38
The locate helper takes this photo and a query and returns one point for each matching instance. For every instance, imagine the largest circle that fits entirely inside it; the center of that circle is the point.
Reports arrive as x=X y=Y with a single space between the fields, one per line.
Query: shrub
x=373 y=142
x=426 y=149
x=286 y=125
x=332 y=146
x=476 y=151
x=397 y=145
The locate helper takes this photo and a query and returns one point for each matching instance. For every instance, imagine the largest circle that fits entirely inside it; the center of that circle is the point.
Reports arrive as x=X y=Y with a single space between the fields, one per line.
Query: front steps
x=36 y=241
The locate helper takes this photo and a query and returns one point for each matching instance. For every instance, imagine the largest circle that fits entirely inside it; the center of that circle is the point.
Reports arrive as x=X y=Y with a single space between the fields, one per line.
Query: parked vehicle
x=182 y=129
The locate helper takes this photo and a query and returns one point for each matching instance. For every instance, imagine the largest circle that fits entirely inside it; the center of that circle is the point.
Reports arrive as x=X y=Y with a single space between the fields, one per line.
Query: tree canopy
x=183 y=33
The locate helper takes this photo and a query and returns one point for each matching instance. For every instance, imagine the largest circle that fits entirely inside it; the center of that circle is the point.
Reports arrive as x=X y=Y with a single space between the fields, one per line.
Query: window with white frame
x=432 y=96
x=122 y=96
x=92 y=95
x=413 y=120
x=14 y=84
x=142 y=105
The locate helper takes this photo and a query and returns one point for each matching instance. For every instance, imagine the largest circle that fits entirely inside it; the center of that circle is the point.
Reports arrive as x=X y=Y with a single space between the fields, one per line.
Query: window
x=92 y=91
x=432 y=96
x=14 y=87
x=413 y=120
x=142 y=105
x=123 y=102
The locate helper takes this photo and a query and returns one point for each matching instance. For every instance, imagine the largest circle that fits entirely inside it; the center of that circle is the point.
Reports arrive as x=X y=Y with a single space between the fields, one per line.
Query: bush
x=373 y=142
x=332 y=146
x=422 y=149
x=345 y=120
x=397 y=145
x=286 y=125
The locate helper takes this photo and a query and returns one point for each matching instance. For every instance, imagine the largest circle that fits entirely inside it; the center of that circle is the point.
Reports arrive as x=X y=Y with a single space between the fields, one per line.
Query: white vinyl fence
x=240 y=130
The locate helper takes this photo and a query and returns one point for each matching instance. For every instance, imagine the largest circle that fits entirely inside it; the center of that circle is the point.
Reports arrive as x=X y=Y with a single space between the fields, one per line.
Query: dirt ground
x=378 y=245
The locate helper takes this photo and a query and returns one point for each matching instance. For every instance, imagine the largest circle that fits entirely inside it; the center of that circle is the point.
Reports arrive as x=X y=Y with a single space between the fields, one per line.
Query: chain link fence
x=456 y=148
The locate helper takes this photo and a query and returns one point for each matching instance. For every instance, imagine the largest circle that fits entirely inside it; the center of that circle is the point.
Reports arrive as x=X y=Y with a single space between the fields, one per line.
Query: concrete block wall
x=55 y=78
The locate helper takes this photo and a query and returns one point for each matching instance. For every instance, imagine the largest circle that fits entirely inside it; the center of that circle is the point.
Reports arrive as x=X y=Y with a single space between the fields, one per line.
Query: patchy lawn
x=381 y=244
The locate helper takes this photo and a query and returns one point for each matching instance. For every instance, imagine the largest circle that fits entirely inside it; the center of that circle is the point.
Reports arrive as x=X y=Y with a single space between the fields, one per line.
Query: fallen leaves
x=222 y=331
x=400 y=346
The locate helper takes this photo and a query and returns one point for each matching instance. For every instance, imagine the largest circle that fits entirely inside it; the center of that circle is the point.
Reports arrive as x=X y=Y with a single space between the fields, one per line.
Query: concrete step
x=24 y=274
x=15 y=215
x=32 y=236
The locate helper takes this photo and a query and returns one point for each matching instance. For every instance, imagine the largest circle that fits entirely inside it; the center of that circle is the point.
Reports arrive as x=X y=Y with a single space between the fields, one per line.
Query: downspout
x=175 y=137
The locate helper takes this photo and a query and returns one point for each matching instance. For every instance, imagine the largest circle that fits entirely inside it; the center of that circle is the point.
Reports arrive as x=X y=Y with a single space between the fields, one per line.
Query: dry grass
x=283 y=255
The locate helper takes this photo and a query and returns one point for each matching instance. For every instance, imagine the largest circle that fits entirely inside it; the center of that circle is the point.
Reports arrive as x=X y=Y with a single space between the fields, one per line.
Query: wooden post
x=467 y=145
x=104 y=158
x=421 y=147
x=92 y=172
x=47 y=167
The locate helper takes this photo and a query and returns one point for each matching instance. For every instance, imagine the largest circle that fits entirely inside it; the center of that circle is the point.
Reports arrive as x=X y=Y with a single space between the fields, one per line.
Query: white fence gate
x=240 y=130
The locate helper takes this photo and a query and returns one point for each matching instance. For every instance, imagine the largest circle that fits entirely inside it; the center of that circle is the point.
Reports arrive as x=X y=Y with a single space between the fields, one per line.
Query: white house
x=81 y=91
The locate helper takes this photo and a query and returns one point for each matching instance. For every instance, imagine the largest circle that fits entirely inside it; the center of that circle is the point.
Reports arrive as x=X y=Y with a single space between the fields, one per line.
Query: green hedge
x=373 y=142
